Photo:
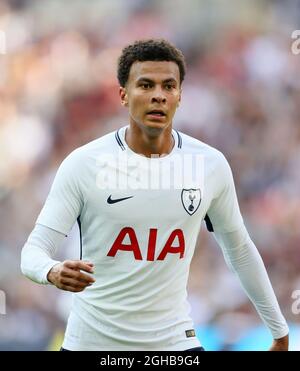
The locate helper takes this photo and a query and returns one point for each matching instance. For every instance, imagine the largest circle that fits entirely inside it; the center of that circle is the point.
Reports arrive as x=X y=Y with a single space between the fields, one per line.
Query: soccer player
x=137 y=241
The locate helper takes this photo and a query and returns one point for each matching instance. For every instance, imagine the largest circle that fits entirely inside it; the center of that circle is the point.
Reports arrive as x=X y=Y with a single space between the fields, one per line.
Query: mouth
x=156 y=114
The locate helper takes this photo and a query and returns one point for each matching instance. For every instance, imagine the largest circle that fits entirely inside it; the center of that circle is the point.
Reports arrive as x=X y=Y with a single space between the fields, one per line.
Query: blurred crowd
x=58 y=90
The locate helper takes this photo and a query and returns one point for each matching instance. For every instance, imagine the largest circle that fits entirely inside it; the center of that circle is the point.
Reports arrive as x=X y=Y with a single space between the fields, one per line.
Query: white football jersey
x=141 y=237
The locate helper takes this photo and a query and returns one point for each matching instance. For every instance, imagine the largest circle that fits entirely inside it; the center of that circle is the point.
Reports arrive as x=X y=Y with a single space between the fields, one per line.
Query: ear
x=123 y=96
x=179 y=98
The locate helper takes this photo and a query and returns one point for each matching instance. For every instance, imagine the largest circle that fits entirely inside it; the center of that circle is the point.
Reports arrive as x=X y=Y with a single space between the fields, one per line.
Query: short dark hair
x=149 y=50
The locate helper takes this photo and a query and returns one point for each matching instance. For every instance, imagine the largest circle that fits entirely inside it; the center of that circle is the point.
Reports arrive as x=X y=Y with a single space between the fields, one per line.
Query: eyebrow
x=151 y=81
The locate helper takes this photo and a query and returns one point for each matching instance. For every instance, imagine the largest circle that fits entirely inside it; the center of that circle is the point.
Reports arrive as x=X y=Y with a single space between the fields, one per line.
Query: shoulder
x=105 y=144
x=212 y=156
x=77 y=164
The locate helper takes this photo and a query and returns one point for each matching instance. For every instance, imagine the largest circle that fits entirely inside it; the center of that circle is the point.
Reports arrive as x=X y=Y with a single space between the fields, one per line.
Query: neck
x=149 y=142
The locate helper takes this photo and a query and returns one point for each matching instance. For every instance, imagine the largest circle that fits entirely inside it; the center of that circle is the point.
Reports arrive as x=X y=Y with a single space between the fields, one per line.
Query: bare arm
x=281 y=344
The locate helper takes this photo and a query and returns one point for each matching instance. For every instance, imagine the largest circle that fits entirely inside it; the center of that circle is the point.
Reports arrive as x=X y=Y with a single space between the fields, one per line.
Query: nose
x=158 y=97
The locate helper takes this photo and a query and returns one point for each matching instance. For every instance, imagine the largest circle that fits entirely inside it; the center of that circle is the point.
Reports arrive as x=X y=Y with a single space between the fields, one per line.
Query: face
x=152 y=93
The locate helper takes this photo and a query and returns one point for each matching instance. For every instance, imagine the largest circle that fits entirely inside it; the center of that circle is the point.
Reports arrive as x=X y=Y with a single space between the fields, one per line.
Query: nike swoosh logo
x=111 y=201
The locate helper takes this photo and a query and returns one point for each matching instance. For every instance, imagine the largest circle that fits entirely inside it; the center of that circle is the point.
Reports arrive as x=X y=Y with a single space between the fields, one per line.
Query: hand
x=68 y=276
x=280 y=344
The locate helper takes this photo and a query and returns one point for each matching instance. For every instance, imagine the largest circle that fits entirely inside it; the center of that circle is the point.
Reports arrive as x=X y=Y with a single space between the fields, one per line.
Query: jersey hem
x=182 y=346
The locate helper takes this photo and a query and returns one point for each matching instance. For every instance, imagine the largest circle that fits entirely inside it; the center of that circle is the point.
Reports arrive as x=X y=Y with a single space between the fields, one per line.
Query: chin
x=156 y=125
x=152 y=127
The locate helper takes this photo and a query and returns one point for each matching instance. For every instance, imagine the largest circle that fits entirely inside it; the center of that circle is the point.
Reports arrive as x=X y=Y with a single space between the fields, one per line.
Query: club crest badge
x=191 y=199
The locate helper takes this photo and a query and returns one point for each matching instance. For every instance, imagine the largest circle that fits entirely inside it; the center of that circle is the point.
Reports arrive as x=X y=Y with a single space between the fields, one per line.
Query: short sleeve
x=224 y=214
x=65 y=200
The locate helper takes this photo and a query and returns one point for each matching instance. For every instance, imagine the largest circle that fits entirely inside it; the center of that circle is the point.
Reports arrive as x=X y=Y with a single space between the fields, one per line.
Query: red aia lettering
x=151 y=244
x=134 y=245
x=169 y=248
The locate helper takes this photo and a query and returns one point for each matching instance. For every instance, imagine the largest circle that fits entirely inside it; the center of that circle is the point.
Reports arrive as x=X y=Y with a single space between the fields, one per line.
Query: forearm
x=37 y=253
x=243 y=258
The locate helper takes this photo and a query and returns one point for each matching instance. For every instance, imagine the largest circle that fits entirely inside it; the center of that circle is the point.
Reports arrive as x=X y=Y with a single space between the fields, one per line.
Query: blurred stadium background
x=58 y=90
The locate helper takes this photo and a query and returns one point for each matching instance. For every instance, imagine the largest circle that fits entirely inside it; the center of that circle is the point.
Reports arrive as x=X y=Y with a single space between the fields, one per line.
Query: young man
x=137 y=241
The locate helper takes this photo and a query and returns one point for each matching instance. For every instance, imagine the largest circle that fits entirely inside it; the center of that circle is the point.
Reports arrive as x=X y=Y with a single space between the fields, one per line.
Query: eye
x=145 y=85
x=169 y=86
